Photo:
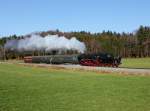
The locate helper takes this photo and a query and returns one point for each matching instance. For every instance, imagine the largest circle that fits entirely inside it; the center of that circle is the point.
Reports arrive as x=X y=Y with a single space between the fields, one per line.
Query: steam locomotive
x=97 y=59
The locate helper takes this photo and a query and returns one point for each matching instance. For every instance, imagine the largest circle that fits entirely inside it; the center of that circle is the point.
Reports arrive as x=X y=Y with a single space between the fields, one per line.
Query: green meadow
x=136 y=63
x=24 y=88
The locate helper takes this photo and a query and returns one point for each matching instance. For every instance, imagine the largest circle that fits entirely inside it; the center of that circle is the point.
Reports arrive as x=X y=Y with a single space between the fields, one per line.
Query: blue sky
x=26 y=16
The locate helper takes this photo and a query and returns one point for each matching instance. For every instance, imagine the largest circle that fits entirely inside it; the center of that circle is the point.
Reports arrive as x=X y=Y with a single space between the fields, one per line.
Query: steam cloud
x=48 y=43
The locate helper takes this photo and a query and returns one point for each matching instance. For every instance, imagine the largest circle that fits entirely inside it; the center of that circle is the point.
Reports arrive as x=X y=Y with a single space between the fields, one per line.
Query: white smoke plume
x=48 y=43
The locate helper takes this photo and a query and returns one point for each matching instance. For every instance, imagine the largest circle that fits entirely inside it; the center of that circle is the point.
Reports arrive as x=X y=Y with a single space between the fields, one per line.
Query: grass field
x=24 y=88
x=136 y=63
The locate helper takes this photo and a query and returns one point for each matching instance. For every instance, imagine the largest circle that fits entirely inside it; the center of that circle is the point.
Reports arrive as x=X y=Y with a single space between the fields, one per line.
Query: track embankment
x=89 y=68
x=108 y=69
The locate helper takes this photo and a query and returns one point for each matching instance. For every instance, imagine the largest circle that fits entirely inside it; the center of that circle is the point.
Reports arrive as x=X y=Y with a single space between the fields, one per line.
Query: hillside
x=135 y=44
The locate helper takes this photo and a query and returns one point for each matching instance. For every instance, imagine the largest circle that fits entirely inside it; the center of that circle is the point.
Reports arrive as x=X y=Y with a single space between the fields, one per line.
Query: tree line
x=135 y=44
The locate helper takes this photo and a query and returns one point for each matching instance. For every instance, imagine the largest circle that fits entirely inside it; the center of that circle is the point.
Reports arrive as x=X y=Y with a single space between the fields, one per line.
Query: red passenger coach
x=28 y=59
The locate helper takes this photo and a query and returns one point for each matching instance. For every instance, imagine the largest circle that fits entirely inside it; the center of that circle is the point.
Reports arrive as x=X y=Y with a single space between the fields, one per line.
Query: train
x=96 y=59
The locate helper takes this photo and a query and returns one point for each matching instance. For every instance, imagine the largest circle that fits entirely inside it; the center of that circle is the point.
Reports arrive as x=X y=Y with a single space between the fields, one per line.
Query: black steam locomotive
x=97 y=59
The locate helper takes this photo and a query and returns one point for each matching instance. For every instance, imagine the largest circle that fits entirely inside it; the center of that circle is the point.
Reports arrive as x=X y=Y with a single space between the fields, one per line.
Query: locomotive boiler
x=96 y=59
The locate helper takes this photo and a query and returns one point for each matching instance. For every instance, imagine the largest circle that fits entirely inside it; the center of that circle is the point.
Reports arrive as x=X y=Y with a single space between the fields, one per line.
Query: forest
x=134 y=44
